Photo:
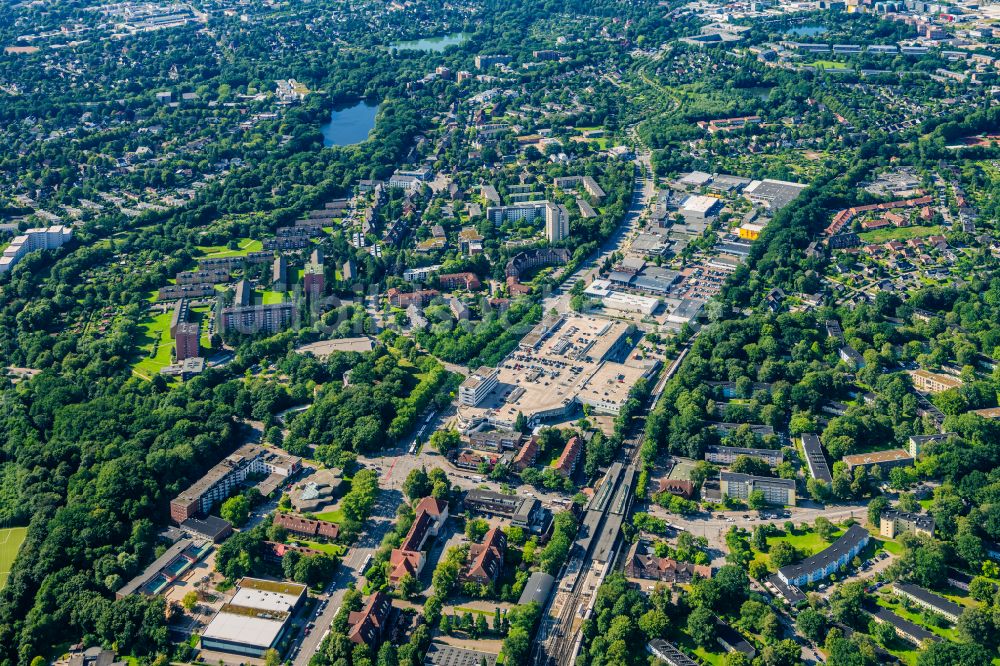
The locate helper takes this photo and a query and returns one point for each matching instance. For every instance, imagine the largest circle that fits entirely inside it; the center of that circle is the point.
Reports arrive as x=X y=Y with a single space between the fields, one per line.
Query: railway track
x=593 y=554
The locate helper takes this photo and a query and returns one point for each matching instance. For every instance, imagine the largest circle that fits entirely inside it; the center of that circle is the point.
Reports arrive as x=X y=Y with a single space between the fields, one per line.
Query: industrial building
x=256 y=618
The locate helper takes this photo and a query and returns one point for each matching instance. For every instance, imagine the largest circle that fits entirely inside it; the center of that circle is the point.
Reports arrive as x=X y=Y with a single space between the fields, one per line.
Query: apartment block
x=739 y=486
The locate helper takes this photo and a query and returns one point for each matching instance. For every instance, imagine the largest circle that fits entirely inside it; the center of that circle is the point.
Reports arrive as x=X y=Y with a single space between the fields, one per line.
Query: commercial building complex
x=562 y=363
x=827 y=561
x=477 y=386
x=256 y=618
x=739 y=486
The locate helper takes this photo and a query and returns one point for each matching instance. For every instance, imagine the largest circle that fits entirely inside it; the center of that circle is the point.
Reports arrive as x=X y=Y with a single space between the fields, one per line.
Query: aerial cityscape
x=500 y=333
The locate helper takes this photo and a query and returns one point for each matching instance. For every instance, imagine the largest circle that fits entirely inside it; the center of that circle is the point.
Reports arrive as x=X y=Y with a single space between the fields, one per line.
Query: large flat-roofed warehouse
x=256 y=618
x=774 y=194
x=563 y=362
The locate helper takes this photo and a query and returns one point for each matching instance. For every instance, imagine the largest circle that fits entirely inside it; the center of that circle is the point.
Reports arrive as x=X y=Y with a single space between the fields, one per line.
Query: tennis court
x=10 y=542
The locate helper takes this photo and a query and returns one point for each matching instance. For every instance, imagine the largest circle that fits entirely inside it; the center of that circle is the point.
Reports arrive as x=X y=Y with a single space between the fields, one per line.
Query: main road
x=350 y=571
x=643 y=191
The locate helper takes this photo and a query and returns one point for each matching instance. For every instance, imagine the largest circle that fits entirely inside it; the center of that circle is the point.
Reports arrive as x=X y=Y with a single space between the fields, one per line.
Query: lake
x=808 y=30
x=349 y=125
x=439 y=43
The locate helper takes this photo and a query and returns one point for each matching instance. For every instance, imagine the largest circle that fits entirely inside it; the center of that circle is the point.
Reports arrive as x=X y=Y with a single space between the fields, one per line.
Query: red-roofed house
x=306 y=526
x=467 y=281
x=570 y=456
x=526 y=456
x=409 y=557
x=369 y=625
x=486 y=558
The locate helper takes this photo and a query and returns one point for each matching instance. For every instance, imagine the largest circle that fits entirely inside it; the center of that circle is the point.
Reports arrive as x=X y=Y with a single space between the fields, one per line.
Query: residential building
x=739 y=486
x=187 y=341
x=402 y=299
x=570 y=456
x=815 y=459
x=642 y=562
x=487 y=61
x=306 y=527
x=256 y=319
x=918 y=442
x=905 y=629
x=526 y=455
x=726 y=455
x=894 y=522
x=256 y=618
x=827 y=561
x=314 y=279
x=220 y=481
x=92 y=656
x=370 y=624
x=556 y=223
x=468 y=281
x=485 y=561
x=33 y=240
x=884 y=459
x=850 y=355
x=477 y=386
x=933 y=382
x=927 y=599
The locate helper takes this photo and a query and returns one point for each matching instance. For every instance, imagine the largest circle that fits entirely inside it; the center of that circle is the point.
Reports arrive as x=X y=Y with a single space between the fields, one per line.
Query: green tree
x=190 y=601
x=701 y=627
x=236 y=510
x=756 y=500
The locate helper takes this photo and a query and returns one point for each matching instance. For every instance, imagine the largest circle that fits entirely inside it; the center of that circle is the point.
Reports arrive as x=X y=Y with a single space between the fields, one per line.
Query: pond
x=439 y=43
x=349 y=124
x=808 y=30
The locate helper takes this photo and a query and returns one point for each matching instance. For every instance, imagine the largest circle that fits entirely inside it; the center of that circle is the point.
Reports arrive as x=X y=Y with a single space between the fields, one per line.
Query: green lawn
x=899 y=234
x=10 y=542
x=827 y=64
x=246 y=245
x=273 y=297
x=808 y=543
x=335 y=516
x=329 y=548
x=155 y=345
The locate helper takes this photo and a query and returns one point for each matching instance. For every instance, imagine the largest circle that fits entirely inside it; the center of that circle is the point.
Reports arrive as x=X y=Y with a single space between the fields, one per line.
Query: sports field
x=10 y=542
